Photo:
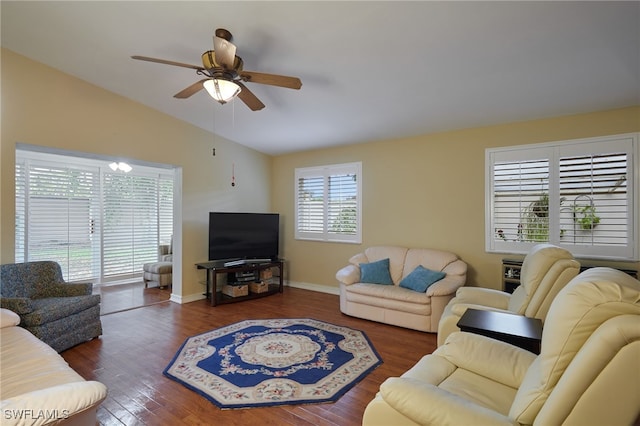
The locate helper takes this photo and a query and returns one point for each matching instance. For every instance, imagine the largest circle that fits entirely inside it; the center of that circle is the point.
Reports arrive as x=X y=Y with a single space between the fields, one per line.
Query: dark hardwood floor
x=121 y=297
x=138 y=344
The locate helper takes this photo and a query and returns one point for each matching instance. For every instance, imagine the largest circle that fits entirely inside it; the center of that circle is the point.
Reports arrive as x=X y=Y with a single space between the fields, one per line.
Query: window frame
x=326 y=172
x=554 y=152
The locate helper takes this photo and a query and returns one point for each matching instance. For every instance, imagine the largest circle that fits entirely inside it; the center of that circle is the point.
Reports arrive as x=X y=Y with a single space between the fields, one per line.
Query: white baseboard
x=296 y=284
x=186 y=299
x=314 y=287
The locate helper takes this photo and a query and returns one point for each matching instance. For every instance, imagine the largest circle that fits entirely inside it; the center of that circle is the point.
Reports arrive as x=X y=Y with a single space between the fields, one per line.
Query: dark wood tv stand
x=213 y=268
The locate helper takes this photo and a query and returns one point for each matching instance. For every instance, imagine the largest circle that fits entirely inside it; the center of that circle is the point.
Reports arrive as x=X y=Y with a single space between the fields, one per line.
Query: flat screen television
x=243 y=236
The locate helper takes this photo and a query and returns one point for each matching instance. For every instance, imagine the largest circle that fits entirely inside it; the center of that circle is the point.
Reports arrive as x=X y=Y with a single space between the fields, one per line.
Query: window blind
x=328 y=200
x=575 y=194
x=130 y=236
x=165 y=209
x=56 y=215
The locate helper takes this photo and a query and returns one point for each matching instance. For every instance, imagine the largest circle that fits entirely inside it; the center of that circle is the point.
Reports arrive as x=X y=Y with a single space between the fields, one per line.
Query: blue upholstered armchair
x=60 y=314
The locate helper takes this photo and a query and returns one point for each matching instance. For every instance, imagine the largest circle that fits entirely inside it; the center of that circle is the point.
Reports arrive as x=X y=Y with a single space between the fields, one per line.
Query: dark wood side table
x=515 y=329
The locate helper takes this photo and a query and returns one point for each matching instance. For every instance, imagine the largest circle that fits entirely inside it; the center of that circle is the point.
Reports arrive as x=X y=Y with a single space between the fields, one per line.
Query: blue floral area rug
x=258 y=363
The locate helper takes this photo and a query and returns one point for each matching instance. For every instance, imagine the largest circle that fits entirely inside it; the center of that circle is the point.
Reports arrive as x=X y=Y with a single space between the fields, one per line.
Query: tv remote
x=235 y=262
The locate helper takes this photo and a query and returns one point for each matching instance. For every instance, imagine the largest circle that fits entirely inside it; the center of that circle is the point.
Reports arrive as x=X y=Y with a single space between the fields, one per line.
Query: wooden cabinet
x=510 y=274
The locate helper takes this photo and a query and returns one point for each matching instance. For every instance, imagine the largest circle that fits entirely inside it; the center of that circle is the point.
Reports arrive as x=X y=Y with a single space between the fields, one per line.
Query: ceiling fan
x=224 y=74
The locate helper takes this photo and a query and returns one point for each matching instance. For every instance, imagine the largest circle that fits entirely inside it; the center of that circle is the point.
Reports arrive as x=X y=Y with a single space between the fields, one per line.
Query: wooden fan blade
x=164 y=61
x=249 y=98
x=191 y=90
x=271 y=79
x=225 y=52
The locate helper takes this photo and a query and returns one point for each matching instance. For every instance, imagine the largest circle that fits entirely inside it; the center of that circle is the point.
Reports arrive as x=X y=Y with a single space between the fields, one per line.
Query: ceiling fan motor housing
x=209 y=61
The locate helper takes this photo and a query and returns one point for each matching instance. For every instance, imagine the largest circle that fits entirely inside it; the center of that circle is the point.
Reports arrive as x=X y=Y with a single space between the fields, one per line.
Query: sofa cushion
x=34 y=380
x=376 y=272
x=389 y=297
x=54 y=308
x=436 y=260
x=396 y=256
x=388 y=292
x=421 y=278
x=29 y=364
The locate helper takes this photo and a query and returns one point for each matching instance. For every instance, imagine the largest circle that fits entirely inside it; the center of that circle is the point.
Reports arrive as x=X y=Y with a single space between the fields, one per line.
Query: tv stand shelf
x=213 y=268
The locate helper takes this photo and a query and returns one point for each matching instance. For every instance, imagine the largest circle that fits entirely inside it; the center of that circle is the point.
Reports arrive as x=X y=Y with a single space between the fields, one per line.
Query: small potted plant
x=586 y=217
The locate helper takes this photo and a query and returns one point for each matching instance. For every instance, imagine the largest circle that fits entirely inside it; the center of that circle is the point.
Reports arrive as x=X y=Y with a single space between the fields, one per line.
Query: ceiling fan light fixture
x=222 y=90
x=124 y=167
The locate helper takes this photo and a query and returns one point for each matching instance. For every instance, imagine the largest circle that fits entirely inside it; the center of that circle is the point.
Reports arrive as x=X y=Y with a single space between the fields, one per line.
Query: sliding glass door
x=100 y=225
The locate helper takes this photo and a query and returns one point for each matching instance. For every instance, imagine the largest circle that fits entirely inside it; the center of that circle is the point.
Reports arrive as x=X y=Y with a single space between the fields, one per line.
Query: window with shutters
x=100 y=225
x=328 y=200
x=577 y=194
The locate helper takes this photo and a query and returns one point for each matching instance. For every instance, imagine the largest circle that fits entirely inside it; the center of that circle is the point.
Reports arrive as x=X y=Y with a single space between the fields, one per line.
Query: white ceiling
x=370 y=70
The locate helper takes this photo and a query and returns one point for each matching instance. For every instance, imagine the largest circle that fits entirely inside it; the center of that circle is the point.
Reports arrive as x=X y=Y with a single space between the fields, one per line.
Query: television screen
x=243 y=235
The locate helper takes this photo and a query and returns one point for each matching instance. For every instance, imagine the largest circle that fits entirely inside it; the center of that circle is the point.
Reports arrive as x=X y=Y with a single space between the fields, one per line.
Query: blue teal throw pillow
x=376 y=272
x=421 y=278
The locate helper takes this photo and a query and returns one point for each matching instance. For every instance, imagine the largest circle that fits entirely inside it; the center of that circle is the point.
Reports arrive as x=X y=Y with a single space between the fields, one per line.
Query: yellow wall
x=41 y=106
x=426 y=191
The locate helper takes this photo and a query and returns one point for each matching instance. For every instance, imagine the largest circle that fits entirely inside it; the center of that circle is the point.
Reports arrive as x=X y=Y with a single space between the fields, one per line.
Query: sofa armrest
x=427 y=404
x=19 y=305
x=483 y=296
x=459 y=309
x=348 y=275
x=163 y=250
x=64 y=290
x=445 y=287
x=61 y=401
x=8 y=318
x=471 y=352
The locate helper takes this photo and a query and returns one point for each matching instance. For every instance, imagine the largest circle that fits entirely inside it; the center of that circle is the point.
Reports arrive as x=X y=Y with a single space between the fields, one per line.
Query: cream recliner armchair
x=546 y=269
x=587 y=373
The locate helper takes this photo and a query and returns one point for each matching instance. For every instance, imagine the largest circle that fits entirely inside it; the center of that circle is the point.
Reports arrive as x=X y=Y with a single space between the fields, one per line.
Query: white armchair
x=586 y=374
x=545 y=271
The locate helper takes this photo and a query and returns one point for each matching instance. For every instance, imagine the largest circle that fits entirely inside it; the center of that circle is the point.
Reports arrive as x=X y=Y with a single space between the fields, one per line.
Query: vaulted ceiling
x=371 y=70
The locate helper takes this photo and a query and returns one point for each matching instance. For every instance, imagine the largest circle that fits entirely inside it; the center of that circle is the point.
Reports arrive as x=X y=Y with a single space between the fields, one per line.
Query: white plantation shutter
x=328 y=200
x=517 y=185
x=575 y=194
x=310 y=204
x=595 y=185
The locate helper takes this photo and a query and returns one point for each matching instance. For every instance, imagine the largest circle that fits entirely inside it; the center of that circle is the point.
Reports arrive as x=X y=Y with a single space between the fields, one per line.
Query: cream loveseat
x=587 y=372
x=393 y=303
x=37 y=386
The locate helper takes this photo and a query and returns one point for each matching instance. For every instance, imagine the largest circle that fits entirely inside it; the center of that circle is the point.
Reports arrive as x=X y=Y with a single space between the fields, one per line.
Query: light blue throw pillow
x=421 y=278
x=376 y=272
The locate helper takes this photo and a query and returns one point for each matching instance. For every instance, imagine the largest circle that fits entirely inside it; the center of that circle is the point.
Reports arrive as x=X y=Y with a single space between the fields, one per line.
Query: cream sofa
x=37 y=386
x=545 y=271
x=587 y=372
x=393 y=304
